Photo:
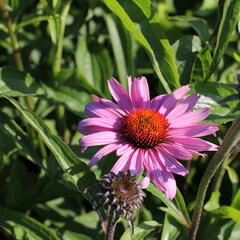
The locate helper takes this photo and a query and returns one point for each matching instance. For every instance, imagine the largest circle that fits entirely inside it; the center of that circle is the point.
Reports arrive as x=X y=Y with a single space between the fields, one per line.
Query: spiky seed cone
x=122 y=195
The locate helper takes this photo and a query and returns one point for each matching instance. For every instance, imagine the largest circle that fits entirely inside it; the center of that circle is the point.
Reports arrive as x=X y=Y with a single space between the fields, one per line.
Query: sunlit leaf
x=140 y=231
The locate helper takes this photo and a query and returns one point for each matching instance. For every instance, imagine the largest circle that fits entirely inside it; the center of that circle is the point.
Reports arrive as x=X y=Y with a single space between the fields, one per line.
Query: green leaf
x=214 y=95
x=151 y=36
x=15 y=83
x=198 y=24
x=140 y=231
x=228 y=212
x=180 y=203
x=207 y=8
x=171 y=229
x=213 y=202
x=19 y=138
x=117 y=49
x=54 y=23
x=172 y=208
x=233 y=176
x=236 y=200
x=83 y=57
x=229 y=19
x=23 y=227
x=201 y=65
x=77 y=172
x=186 y=49
x=74 y=100
x=32 y=18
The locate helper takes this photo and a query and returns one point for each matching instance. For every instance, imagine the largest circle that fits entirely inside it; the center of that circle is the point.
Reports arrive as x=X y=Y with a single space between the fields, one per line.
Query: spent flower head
x=122 y=195
x=148 y=135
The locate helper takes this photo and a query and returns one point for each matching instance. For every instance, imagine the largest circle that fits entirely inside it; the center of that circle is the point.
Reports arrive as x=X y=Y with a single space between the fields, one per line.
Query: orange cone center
x=145 y=128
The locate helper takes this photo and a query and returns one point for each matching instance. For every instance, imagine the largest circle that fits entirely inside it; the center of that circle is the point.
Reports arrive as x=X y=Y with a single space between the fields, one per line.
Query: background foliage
x=54 y=54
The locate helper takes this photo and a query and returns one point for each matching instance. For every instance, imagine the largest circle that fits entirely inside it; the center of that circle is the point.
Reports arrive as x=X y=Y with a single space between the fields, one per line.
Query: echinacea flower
x=148 y=135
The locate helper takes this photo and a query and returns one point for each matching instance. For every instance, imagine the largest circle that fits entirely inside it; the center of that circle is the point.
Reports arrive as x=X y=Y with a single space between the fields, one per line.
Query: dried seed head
x=121 y=194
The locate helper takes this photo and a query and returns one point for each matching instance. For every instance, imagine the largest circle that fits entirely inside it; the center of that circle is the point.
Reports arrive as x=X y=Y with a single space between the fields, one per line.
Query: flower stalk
x=15 y=47
x=230 y=141
x=61 y=120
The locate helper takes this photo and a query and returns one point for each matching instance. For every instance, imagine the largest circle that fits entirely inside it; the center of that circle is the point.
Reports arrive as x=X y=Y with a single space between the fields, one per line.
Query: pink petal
x=146 y=181
x=123 y=162
x=193 y=144
x=120 y=95
x=129 y=85
x=102 y=152
x=157 y=101
x=122 y=150
x=136 y=161
x=99 y=138
x=171 y=164
x=197 y=130
x=107 y=124
x=190 y=118
x=154 y=170
x=108 y=103
x=183 y=107
x=96 y=109
x=162 y=178
x=92 y=129
x=173 y=99
x=140 y=92
x=177 y=151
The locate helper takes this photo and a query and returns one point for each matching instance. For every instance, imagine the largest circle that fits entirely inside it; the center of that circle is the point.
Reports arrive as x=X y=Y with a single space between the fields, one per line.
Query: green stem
x=221 y=172
x=15 y=46
x=61 y=120
x=230 y=140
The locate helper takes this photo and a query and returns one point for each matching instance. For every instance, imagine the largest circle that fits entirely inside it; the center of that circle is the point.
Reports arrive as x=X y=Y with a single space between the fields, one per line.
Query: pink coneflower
x=148 y=135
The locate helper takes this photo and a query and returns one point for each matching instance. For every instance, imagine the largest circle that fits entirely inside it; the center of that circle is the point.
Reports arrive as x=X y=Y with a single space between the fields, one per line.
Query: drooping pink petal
x=96 y=109
x=172 y=99
x=157 y=101
x=183 y=107
x=140 y=92
x=162 y=178
x=103 y=152
x=107 y=124
x=197 y=130
x=136 y=163
x=109 y=104
x=190 y=118
x=120 y=95
x=171 y=164
x=177 y=151
x=154 y=170
x=146 y=181
x=123 y=162
x=99 y=138
x=193 y=143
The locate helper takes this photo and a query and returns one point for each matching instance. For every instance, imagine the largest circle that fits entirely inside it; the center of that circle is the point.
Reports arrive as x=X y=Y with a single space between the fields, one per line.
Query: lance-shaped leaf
x=77 y=171
x=24 y=227
x=229 y=19
x=149 y=34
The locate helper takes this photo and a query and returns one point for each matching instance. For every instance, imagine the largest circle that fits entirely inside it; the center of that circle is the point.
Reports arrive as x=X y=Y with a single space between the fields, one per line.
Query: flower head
x=122 y=194
x=148 y=135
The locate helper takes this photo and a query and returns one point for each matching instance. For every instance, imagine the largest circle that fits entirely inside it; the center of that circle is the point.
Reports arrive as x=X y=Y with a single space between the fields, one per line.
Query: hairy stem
x=230 y=140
